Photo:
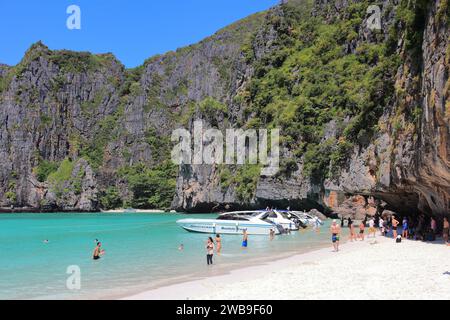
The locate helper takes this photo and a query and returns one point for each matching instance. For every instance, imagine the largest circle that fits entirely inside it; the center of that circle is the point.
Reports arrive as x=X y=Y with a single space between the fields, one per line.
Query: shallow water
x=141 y=253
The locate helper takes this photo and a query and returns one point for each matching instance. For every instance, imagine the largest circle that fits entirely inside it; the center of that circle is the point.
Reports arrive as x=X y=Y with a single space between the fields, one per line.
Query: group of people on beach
x=217 y=246
x=415 y=229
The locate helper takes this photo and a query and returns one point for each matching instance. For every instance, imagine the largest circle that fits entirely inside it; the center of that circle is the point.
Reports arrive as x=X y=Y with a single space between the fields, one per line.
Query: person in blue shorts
x=335 y=235
x=245 y=239
x=405 y=228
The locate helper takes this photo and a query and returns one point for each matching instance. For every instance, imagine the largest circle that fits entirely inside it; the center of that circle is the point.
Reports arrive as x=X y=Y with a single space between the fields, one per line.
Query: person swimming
x=181 y=247
x=245 y=239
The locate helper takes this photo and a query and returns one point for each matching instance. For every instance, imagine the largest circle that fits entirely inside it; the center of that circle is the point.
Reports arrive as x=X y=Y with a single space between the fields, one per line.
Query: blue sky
x=133 y=30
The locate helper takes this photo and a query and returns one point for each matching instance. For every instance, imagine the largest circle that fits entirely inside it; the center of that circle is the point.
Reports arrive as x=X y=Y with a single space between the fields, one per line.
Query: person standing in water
x=245 y=239
x=218 y=244
x=272 y=234
x=335 y=234
x=209 y=251
x=395 y=224
x=98 y=252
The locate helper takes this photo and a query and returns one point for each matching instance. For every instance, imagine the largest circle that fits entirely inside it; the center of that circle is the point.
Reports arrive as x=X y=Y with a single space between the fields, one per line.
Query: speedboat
x=279 y=218
x=232 y=223
x=306 y=218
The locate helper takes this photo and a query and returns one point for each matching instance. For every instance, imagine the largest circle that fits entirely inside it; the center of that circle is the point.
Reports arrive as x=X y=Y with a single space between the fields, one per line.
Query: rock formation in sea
x=364 y=116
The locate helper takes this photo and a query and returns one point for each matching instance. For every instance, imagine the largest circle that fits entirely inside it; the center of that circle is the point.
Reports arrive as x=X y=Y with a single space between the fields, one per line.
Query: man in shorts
x=335 y=235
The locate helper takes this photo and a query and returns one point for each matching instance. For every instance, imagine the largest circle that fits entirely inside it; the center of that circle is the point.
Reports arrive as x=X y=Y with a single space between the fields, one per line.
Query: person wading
x=245 y=239
x=218 y=244
x=209 y=251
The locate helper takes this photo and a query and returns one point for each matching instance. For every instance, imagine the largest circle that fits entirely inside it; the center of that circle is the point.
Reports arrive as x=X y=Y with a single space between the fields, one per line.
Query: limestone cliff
x=364 y=116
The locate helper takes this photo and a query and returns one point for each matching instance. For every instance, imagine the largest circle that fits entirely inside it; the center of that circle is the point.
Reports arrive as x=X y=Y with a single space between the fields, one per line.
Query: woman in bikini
x=395 y=224
x=218 y=244
x=351 y=228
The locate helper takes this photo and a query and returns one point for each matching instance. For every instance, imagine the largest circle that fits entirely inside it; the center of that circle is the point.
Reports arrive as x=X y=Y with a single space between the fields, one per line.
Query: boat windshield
x=231 y=217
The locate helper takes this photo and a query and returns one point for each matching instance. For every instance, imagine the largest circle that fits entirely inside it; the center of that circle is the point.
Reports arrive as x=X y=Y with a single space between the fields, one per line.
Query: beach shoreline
x=372 y=269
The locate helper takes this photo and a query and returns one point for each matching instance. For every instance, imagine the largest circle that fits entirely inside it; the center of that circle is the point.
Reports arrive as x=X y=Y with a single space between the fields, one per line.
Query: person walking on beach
x=335 y=234
x=433 y=225
x=245 y=239
x=405 y=228
x=381 y=226
x=445 y=230
x=362 y=229
x=351 y=229
x=372 y=229
x=209 y=251
x=395 y=224
x=218 y=244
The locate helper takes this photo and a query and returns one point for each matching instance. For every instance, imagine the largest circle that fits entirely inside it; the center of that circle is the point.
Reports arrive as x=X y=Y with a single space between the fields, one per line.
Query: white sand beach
x=361 y=270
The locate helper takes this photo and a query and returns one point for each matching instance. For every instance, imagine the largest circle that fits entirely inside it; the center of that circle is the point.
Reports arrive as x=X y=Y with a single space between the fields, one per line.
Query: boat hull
x=226 y=227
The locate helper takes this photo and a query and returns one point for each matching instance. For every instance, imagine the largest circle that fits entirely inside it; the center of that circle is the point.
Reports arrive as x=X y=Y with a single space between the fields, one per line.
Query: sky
x=132 y=30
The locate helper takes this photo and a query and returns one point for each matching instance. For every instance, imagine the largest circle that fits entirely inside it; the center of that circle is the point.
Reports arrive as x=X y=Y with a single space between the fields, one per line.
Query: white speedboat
x=306 y=218
x=278 y=217
x=231 y=223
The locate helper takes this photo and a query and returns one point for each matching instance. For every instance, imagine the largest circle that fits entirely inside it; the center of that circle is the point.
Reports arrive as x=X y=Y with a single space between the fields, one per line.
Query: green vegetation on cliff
x=152 y=188
x=310 y=80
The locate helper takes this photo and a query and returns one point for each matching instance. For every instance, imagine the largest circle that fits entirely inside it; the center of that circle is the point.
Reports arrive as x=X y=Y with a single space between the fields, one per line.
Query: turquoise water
x=141 y=253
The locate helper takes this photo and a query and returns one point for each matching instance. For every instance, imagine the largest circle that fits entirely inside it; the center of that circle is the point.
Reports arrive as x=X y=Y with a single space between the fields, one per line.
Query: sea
x=49 y=256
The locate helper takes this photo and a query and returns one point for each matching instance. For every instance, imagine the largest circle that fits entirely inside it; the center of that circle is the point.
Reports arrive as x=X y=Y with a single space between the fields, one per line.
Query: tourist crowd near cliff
x=364 y=117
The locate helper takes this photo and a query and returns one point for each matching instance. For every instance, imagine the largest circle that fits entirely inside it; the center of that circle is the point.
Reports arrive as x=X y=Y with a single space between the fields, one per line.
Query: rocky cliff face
x=407 y=165
x=80 y=132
